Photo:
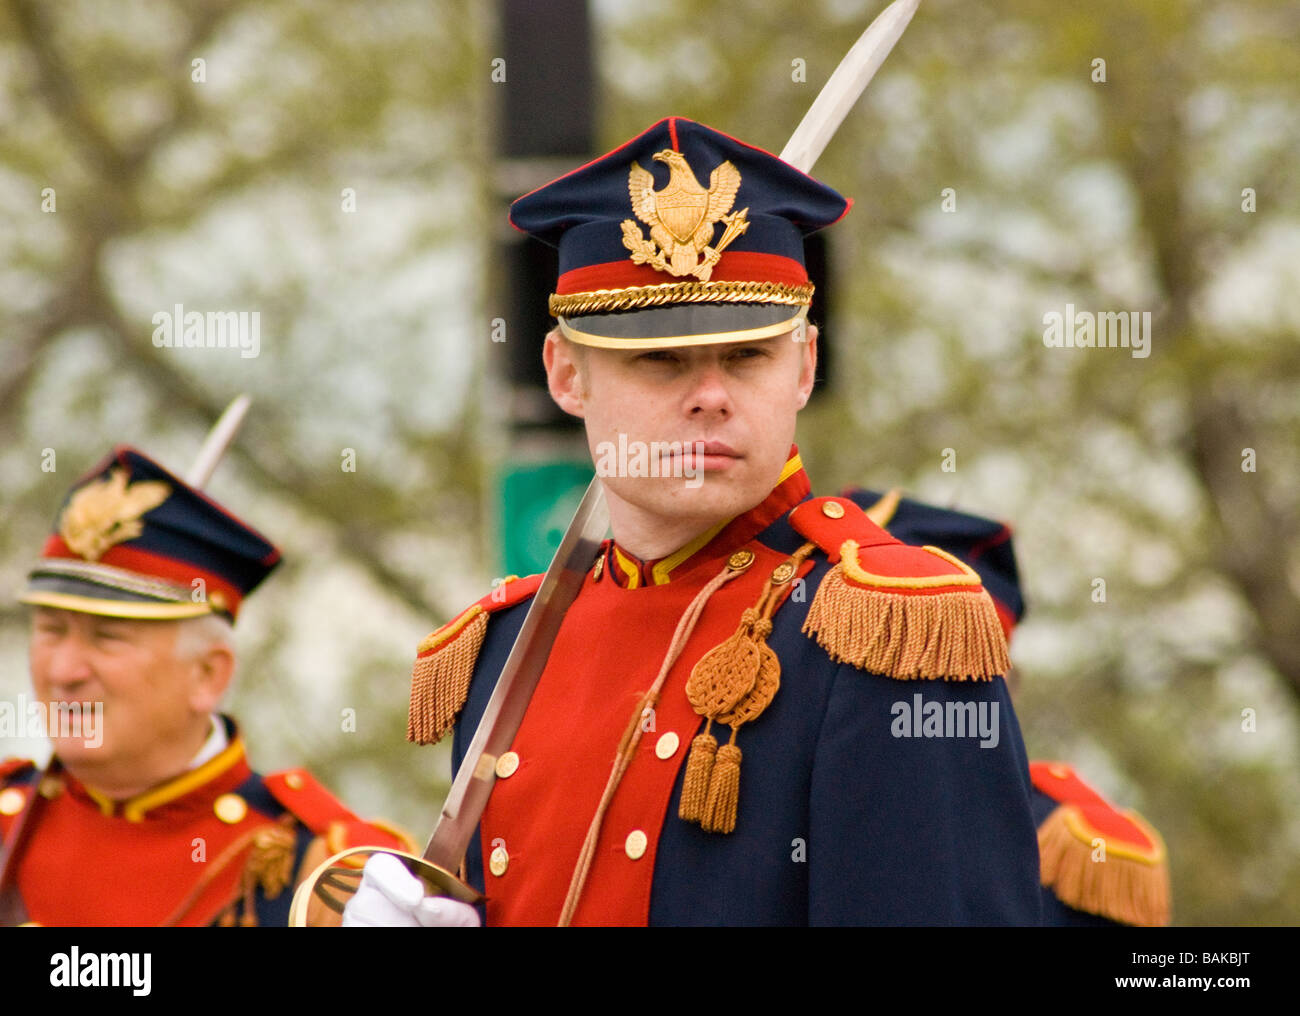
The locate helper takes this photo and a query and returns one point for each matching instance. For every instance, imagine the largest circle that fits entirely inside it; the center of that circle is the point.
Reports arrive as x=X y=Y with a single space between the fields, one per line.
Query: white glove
x=391 y=897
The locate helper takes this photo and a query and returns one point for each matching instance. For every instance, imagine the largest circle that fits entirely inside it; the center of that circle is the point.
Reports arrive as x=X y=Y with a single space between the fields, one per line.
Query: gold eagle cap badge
x=682 y=217
x=107 y=512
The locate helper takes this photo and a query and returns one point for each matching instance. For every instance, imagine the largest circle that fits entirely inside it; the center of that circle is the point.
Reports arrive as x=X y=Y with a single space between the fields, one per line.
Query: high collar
x=630 y=572
x=220 y=773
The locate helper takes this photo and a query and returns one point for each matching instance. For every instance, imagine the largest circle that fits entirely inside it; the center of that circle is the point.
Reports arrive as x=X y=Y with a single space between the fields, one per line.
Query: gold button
x=833 y=509
x=635 y=844
x=499 y=861
x=1060 y=772
x=230 y=808
x=740 y=560
x=12 y=801
x=667 y=745
x=507 y=764
x=293 y=781
x=782 y=573
x=599 y=569
x=217 y=600
x=50 y=787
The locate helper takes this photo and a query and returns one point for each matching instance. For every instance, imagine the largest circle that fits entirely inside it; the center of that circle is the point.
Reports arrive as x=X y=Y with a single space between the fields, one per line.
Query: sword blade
x=218 y=440
x=504 y=715
x=846 y=84
x=514 y=689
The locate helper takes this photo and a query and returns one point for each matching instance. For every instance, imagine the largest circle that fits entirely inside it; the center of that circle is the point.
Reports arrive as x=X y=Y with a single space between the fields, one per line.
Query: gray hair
x=196 y=635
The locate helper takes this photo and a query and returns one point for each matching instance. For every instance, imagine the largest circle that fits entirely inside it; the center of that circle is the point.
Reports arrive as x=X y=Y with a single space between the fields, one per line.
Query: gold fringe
x=724 y=791
x=1124 y=887
x=440 y=681
x=695 y=784
x=951 y=635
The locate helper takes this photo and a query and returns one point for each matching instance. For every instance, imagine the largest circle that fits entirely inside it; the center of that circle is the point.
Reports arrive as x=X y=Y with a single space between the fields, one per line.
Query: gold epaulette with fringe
x=1096 y=858
x=445 y=662
x=910 y=613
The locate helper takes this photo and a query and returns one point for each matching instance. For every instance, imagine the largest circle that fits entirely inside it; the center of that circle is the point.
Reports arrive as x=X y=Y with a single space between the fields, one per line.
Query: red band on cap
x=735 y=266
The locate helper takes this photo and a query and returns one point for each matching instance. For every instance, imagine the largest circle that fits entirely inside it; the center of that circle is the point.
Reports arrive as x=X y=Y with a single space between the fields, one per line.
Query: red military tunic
x=604 y=659
x=217 y=844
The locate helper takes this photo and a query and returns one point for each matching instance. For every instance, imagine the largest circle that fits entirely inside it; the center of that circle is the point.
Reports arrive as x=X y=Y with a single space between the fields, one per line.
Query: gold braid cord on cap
x=914 y=627
x=602 y=301
x=732 y=684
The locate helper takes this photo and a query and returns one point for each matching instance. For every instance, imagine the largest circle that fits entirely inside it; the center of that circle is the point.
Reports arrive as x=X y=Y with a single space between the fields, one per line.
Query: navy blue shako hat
x=133 y=541
x=682 y=236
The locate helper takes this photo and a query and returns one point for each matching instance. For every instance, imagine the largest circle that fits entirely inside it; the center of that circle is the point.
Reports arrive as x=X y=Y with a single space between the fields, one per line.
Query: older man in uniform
x=149 y=812
x=747 y=715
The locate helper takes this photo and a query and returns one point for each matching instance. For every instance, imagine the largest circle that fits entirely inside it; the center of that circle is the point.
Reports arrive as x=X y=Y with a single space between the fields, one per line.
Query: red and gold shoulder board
x=1096 y=858
x=326 y=816
x=911 y=613
x=445 y=661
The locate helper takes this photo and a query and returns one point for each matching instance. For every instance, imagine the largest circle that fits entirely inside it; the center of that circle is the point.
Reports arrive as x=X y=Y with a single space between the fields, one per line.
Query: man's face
x=153 y=701
x=739 y=399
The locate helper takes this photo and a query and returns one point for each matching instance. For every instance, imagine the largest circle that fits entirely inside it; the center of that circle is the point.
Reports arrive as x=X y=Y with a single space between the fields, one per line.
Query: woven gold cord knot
x=732 y=684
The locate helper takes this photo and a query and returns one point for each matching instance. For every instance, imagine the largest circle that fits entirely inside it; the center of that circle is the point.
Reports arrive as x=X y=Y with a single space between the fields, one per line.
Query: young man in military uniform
x=723 y=734
x=149 y=813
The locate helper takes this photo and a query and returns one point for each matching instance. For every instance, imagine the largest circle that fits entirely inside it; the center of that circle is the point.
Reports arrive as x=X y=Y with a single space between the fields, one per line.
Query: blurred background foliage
x=1174 y=478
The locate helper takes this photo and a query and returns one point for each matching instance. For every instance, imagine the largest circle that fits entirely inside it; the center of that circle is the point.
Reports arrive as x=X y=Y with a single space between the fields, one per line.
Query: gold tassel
x=695 y=784
x=732 y=684
x=440 y=680
x=724 y=790
x=1124 y=887
x=954 y=635
x=269 y=867
x=270 y=863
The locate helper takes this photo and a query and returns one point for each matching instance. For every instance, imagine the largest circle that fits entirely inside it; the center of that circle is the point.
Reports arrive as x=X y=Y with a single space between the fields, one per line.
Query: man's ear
x=808 y=365
x=213 y=670
x=563 y=378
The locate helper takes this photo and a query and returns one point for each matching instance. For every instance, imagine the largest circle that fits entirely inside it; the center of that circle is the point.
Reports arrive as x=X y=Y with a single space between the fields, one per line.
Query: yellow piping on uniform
x=134 y=810
x=630 y=569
